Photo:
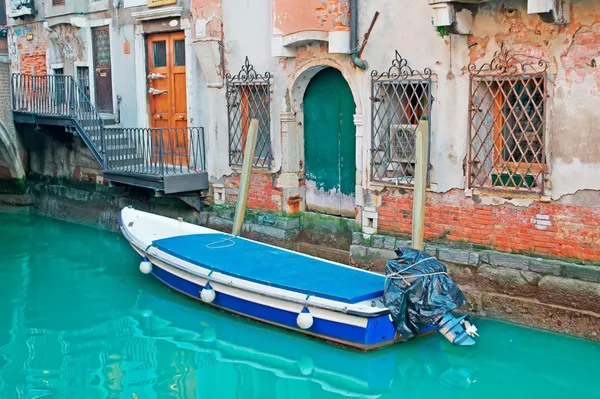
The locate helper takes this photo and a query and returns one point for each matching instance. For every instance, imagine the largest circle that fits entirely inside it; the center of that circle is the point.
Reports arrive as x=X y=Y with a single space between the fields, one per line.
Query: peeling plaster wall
x=290 y=16
x=24 y=53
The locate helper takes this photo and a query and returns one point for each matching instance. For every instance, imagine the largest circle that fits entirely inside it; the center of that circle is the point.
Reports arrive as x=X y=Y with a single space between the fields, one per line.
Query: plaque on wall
x=158 y=3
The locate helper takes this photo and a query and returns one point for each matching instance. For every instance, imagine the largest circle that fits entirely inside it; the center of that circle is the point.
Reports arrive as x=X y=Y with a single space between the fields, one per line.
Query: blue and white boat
x=288 y=289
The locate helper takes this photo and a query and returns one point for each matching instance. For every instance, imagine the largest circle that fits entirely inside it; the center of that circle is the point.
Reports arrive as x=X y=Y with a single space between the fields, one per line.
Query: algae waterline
x=79 y=321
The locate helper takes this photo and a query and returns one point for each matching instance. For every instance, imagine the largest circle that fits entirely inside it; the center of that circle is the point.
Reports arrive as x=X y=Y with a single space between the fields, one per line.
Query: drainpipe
x=354 y=36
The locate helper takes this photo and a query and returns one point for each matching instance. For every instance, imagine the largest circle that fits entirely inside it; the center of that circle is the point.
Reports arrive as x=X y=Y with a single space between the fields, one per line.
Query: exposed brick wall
x=544 y=228
x=37 y=60
x=263 y=194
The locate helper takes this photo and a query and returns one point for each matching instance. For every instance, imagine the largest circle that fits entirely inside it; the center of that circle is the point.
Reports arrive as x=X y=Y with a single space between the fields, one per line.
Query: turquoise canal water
x=79 y=321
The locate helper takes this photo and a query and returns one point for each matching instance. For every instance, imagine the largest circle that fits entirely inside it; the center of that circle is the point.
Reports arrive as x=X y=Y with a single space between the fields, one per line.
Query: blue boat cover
x=275 y=267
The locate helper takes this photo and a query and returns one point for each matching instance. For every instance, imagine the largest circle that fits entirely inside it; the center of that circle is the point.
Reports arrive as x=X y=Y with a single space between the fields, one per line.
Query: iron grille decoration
x=507 y=122
x=249 y=97
x=400 y=99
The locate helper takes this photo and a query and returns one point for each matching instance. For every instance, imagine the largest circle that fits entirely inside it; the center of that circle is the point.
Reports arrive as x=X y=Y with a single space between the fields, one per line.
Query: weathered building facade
x=509 y=90
x=511 y=104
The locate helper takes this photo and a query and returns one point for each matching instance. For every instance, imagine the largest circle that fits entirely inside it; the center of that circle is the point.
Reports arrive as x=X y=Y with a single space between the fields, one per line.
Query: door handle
x=158 y=116
x=155 y=75
x=154 y=92
x=182 y=117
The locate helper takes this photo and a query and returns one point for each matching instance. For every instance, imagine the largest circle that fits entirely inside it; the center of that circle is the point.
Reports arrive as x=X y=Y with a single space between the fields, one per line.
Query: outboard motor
x=420 y=294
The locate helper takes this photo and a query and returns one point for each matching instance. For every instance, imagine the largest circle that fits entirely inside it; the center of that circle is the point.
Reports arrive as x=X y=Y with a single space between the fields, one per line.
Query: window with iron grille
x=249 y=97
x=58 y=2
x=400 y=99
x=507 y=116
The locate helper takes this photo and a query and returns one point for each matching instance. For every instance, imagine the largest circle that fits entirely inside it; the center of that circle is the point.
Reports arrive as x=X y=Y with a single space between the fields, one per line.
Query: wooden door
x=330 y=144
x=102 y=69
x=167 y=91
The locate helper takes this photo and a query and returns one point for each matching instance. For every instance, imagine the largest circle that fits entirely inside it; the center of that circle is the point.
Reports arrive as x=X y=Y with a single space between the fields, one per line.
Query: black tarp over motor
x=418 y=291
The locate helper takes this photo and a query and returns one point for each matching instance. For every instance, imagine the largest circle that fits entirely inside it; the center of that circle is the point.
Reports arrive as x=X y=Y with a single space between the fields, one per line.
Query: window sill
x=380 y=185
x=507 y=194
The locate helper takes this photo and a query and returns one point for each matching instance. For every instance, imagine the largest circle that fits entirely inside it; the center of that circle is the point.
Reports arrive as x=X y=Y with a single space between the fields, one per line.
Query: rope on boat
x=398 y=274
x=147 y=248
x=212 y=244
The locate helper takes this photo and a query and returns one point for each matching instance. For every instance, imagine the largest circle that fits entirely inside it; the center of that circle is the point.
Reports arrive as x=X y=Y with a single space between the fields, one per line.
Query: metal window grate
x=507 y=122
x=179 y=52
x=249 y=97
x=58 y=2
x=400 y=98
x=159 y=54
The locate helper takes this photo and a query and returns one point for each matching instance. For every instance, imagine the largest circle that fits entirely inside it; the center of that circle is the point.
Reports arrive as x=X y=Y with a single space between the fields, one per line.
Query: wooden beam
x=240 y=210
x=421 y=166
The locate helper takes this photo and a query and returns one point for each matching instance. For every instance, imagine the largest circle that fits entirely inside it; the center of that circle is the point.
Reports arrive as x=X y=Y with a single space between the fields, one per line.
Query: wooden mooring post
x=421 y=166
x=242 y=199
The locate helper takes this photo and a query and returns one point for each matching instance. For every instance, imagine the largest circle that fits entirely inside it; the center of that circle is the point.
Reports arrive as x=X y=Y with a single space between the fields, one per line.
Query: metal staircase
x=170 y=160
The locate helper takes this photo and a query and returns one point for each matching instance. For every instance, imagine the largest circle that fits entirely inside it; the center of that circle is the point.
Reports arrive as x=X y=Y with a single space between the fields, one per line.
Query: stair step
x=119 y=147
x=108 y=119
x=124 y=156
x=116 y=163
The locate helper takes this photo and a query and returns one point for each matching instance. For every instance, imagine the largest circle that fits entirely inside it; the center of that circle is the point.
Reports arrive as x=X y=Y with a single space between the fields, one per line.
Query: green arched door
x=329 y=144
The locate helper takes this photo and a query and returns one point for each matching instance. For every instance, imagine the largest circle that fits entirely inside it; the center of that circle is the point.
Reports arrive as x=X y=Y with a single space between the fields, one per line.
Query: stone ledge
x=16 y=199
x=479 y=258
x=533 y=313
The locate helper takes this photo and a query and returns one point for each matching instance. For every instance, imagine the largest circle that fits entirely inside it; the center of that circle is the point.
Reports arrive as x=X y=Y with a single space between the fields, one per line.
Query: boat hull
x=364 y=338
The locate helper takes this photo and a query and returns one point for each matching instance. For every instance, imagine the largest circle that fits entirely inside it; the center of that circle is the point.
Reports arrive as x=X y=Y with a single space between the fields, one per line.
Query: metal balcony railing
x=155 y=151
x=131 y=151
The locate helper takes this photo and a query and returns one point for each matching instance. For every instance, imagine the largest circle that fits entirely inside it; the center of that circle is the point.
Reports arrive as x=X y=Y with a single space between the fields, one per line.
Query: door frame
x=141 y=71
x=292 y=132
x=95 y=23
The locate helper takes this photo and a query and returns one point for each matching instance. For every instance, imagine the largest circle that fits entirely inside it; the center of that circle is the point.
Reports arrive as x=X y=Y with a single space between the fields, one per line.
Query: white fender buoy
x=208 y=294
x=145 y=266
x=304 y=319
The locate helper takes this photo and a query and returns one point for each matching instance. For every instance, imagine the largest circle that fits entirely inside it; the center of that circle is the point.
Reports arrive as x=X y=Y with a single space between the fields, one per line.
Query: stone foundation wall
x=544 y=293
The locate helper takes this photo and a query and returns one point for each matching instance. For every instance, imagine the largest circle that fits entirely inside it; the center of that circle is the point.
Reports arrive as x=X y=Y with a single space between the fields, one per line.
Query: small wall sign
x=158 y=3
x=126 y=47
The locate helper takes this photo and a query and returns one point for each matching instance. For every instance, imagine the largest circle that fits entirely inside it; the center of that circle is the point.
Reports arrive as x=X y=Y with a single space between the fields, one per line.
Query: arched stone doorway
x=293 y=134
x=329 y=144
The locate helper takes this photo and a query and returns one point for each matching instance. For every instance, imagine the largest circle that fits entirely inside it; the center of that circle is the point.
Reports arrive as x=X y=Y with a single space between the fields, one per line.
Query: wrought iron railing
x=60 y=96
x=147 y=151
x=155 y=151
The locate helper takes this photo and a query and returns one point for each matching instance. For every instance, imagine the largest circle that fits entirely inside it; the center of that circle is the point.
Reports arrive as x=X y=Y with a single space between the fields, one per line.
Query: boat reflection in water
x=227 y=339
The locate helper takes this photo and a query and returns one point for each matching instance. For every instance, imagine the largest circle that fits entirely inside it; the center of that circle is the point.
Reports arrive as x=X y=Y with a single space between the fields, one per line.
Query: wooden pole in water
x=418 y=214
x=240 y=210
